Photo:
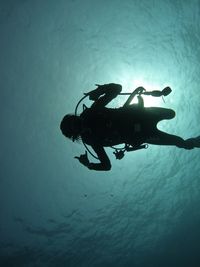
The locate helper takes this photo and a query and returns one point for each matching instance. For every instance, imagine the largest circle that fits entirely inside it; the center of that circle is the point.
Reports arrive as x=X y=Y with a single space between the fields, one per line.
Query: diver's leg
x=195 y=141
x=165 y=139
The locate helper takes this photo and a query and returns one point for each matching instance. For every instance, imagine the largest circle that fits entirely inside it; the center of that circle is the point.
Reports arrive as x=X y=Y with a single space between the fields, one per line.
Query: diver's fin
x=195 y=141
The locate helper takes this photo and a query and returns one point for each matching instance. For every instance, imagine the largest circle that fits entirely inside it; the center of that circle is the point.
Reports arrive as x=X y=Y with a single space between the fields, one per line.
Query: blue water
x=56 y=213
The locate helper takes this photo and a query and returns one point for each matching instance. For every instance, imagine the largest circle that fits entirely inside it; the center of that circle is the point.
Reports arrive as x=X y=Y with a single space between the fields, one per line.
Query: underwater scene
x=142 y=209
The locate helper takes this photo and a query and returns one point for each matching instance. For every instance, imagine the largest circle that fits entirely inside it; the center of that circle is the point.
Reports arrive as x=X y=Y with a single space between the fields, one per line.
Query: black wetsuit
x=133 y=125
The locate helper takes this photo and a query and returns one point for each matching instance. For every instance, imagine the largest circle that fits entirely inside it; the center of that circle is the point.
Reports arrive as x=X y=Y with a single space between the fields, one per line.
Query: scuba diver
x=133 y=125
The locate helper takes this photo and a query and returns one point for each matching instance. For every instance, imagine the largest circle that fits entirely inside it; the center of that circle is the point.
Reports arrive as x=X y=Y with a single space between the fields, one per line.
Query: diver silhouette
x=132 y=124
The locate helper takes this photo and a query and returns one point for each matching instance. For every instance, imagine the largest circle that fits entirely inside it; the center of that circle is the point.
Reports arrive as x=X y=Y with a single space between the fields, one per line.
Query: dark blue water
x=53 y=211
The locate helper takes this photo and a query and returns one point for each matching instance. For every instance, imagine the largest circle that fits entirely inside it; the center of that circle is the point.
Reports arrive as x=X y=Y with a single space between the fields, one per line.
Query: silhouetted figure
x=132 y=124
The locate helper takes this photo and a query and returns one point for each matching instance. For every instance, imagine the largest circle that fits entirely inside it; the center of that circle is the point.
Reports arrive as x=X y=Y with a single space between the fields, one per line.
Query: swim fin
x=195 y=142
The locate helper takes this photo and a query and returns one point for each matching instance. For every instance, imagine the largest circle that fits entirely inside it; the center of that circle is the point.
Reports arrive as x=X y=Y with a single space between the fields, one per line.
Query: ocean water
x=53 y=211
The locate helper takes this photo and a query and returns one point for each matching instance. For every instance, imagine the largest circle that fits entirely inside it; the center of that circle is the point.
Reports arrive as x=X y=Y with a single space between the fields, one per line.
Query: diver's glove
x=83 y=159
x=139 y=90
x=95 y=94
x=100 y=90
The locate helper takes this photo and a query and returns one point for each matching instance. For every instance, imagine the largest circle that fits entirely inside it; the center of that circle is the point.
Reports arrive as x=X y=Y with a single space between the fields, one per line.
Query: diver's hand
x=83 y=159
x=96 y=93
x=93 y=95
x=139 y=90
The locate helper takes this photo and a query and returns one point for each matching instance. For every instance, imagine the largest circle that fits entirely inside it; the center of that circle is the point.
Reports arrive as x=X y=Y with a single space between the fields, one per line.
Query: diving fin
x=194 y=142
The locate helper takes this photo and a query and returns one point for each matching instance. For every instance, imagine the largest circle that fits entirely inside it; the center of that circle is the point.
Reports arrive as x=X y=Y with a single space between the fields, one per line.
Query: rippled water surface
x=55 y=212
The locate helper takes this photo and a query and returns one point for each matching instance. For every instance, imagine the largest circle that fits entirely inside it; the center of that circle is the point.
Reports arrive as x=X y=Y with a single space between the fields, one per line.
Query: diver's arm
x=140 y=101
x=104 y=94
x=104 y=164
x=138 y=92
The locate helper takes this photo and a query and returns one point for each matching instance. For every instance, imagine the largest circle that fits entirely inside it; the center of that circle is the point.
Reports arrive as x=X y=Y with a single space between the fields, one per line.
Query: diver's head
x=71 y=127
